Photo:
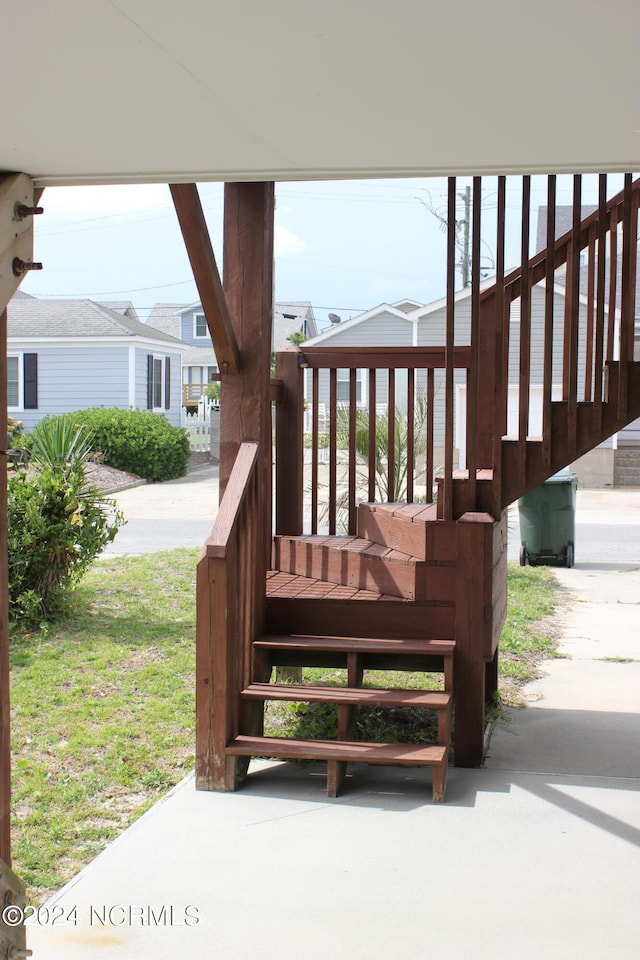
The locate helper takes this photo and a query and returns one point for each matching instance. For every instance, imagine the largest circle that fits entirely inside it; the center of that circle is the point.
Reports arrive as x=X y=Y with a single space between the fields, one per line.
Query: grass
x=103 y=705
x=103 y=713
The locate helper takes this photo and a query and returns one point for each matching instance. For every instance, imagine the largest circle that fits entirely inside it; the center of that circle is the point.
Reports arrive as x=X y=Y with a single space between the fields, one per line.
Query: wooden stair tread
x=435 y=699
x=283 y=584
x=366 y=548
x=363 y=752
x=424 y=647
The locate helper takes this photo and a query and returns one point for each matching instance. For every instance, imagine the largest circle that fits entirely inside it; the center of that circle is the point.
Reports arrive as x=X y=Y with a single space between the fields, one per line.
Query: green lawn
x=103 y=705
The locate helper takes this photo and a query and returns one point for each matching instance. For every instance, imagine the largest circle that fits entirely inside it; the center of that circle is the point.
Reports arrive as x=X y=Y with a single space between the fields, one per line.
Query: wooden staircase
x=384 y=576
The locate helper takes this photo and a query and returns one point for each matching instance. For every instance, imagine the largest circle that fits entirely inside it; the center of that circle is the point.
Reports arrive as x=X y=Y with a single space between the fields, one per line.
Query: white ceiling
x=107 y=91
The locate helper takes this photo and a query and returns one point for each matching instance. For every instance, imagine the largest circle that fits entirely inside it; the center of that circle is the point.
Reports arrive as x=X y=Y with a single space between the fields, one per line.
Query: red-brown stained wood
x=393 y=618
x=473 y=398
x=525 y=332
x=289 y=443
x=391 y=436
x=627 y=298
x=245 y=413
x=403 y=535
x=410 y=431
x=372 y=434
x=429 y=466
x=384 y=358
x=5 y=712
x=352 y=452
x=547 y=377
x=205 y=273
x=315 y=432
x=469 y=635
x=447 y=484
x=600 y=295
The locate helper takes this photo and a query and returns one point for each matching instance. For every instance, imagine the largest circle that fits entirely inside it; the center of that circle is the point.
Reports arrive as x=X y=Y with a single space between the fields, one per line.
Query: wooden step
x=399 y=526
x=352 y=696
x=345 y=751
x=352 y=562
x=373 y=653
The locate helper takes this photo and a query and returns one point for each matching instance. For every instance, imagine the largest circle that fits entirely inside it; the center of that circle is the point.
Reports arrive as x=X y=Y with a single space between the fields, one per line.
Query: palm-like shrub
x=57 y=524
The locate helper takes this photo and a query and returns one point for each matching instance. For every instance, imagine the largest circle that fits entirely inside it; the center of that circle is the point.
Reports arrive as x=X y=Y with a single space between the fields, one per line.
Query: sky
x=345 y=246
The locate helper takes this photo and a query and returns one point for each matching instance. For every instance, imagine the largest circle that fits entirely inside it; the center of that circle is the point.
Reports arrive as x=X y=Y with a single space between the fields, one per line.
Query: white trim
x=174 y=346
x=161 y=360
x=132 y=376
x=382 y=308
x=196 y=335
x=20 y=358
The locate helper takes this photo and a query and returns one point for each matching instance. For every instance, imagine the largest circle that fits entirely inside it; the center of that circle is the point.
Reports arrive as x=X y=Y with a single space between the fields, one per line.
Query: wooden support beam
x=205 y=273
x=245 y=413
x=5 y=740
x=16 y=233
x=474 y=569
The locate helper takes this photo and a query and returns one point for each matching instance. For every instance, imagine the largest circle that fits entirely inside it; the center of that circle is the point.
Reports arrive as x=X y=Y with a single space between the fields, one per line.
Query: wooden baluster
x=547 y=377
x=572 y=320
x=410 y=432
x=473 y=398
x=600 y=303
x=525 y=334
x=447 y=485
x=352 y=451
x=627 y=296
x=289 y=446
x=429 y=466
x=372 y=435
x=501 y=357
x=333 y=437
x=315 y=440
x=591 y=314
x=613 y=280
x=391 y=437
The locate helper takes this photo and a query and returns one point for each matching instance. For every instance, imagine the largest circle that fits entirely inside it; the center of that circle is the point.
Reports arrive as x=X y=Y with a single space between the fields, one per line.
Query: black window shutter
x=149 y=381
x=30 y=381
x=167 y=383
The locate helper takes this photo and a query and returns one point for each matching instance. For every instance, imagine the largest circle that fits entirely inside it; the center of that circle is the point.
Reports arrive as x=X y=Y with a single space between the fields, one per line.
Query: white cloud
x=286 y=242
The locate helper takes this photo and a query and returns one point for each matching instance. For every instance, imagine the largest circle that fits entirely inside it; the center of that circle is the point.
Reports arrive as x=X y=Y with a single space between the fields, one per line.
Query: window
x=342 y=384
x=158 y=382
x=22 y=381
x=13 y=382
x=200 y=326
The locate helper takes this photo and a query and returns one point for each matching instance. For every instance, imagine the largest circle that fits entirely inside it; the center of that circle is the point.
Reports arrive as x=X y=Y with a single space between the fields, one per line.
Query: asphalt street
x=180 y=513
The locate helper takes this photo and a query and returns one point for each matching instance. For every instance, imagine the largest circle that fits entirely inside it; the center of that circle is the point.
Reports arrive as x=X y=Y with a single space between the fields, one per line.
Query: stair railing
x=571 y=342
x=229 y=617
x=375 y=430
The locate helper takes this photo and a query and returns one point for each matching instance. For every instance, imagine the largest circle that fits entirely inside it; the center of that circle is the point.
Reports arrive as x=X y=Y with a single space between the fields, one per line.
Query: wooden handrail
x=217 y=542
x=383 y=358
x=229 y=616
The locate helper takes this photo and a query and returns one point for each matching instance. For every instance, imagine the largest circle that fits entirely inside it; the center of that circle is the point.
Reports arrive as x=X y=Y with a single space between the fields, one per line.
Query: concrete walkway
x=533 y=856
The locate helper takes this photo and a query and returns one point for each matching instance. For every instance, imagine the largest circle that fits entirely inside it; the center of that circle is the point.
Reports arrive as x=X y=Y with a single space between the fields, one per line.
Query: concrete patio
x=538 y=850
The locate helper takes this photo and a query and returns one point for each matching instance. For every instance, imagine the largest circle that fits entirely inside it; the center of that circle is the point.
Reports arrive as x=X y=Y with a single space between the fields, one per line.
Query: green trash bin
x=547 y=521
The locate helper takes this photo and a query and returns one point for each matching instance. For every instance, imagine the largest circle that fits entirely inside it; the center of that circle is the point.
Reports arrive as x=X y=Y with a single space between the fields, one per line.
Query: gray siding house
x=186 y=322
x=405 y=324
x=66 y=355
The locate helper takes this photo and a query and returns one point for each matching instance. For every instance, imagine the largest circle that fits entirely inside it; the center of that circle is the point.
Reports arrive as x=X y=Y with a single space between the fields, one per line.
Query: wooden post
x=289 y=449
x=5 y=739
x=245 y=411
x=469 y=673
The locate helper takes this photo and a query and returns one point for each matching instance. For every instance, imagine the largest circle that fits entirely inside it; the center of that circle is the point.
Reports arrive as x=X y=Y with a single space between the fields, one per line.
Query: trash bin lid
x=563 y=476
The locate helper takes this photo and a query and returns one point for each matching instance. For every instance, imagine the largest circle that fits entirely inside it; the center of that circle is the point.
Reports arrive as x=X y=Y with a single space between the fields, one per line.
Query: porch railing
x=374 y=432
x=229 y=612
x=585 y=333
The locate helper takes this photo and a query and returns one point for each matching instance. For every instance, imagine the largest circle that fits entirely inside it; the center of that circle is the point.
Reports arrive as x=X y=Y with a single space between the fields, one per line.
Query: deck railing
x=374 y=435
x=229 y=614
x=588 y=276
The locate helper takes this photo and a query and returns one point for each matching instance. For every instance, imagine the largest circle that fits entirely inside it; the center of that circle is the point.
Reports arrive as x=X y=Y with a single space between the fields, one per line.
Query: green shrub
x=57 y=527
x=137 y=441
